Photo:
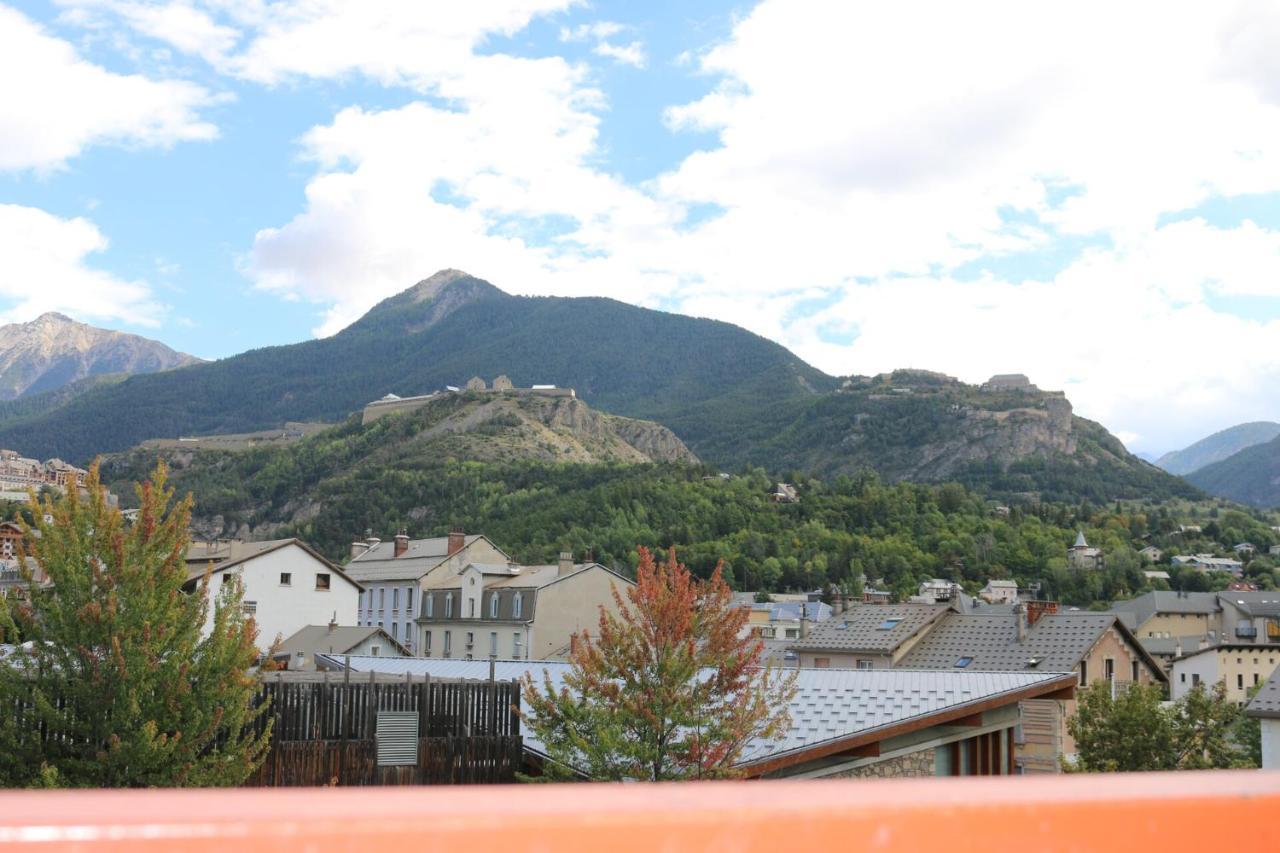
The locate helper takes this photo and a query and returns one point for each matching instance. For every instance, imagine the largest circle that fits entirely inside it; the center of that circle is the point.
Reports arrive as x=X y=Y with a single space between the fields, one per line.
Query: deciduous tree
x=114 y=686
x=667 y=689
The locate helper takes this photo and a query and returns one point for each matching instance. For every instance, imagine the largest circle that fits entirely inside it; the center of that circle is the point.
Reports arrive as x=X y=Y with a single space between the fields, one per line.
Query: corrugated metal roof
x=830 y=704
x=866 y=628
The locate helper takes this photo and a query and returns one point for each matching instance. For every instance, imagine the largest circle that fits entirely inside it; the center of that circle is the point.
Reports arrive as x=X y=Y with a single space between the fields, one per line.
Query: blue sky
x=922 y=185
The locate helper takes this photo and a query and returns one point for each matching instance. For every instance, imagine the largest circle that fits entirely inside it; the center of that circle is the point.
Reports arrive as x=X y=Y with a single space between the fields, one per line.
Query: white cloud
x=632 y=53
x=46 y=268
x=55 y=103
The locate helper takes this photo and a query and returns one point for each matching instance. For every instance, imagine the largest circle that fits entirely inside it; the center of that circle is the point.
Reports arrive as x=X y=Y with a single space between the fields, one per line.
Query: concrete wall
x=570 y=605
x=1239 y=669
x=841 y=660
x=283 y=610
x=479 y=629
x=1178 y=625
x=1270 y=744
x=1183 y=673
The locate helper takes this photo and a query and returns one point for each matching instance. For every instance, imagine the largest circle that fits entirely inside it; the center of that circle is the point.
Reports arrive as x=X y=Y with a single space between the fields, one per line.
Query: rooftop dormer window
x=888 y=625
x=517 y=605
x=448 y=605
x=963 y=662
x=493 y=606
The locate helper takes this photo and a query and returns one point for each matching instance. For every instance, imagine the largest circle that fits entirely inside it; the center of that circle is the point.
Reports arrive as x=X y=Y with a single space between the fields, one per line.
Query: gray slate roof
x=337 y=640
x=1167 y=601
x=1262 y=603
x=858 y=628
x=379 y=563
x=830 y=704
x=1267 y=702
x=815 y=611
x=1058 y=641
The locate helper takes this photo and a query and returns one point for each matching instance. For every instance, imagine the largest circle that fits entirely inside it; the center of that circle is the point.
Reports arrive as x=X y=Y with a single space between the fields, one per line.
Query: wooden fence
x=326 y=733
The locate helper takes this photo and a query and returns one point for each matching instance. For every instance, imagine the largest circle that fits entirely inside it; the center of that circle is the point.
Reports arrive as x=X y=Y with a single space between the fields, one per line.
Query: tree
x=667 y=690
x=115 y=685
x=1135 y=731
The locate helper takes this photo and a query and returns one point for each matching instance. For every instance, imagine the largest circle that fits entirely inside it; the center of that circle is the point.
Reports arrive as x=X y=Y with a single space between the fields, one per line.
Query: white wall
x=1205 y=665
x=393 y=606
x=1270 y=744
x=283 y=610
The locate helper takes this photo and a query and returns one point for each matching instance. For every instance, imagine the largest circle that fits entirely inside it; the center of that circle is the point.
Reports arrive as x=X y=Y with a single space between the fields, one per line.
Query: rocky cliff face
x=53 y=350
x=1002 y=437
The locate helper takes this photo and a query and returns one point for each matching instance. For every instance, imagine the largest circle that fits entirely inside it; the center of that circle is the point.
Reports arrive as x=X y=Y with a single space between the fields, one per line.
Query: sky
x=1085 y=192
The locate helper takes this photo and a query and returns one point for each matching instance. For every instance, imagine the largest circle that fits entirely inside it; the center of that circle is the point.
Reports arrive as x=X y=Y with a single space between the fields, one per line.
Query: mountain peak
x=427 y=302
x=53 y=318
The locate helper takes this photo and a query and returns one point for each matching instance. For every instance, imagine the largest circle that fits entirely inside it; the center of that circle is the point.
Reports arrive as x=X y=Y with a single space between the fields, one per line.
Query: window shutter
x=397 y=735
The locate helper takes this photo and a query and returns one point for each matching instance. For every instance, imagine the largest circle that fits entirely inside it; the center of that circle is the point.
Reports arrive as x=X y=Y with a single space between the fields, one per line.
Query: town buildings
x=1265 y=707
x=298 y=651
x=1208 y=563
x=286 y=585
x=1239 y=667
x=1000 y=592
x=1171 y=624
x=18 y=474
x=509 y=611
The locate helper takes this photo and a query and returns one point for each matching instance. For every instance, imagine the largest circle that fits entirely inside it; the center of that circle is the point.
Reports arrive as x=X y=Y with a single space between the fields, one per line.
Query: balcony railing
x=1171 y=813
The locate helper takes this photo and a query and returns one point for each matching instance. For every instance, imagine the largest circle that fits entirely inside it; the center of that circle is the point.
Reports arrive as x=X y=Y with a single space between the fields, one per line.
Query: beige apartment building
x=1239 y=667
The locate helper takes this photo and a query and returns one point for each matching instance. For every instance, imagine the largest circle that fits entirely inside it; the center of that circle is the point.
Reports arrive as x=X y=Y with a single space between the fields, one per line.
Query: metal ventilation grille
x=397 y=738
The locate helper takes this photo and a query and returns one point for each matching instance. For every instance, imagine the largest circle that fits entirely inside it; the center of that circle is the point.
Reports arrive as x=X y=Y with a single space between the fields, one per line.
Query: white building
x=1239 y=667
x=298 y=651
x=1265 y=707
x=395 y=573
x=1000 y=592
x=287 y=586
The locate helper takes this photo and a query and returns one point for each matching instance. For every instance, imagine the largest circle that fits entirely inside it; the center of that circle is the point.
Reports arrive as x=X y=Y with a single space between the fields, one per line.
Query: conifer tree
x=113 y=685
x=667 y=690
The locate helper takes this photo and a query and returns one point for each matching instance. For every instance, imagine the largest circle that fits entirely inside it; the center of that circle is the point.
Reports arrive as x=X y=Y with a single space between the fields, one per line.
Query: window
x=286 y=579
x=426 y=643
x=1195 y=679
x=471 y=608
x=373 y=650
x=864 y=664
x=382 y=597
x=322 y=580
x=517 y=606
x=821 y=663
x=515 y=644
x=1240 y=680
x=395 y=631
x=408 y=600
x=493 y=609
x=792 y=633
x=471 y=638
x=888 y=625
x=1109 y=669
x=429 y=604
x=1084 y=672
x=961 y=663
x=1183 y=678
x=395 y=598
x=448 y=643
x=493 y=644
x=448 y=606
x=1134 y=666
x=250 y=608
x=1255 y=678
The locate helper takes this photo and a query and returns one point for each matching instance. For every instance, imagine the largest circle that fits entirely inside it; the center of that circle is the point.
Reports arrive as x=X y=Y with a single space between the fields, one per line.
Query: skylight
x=963 y=662
x=888 y=624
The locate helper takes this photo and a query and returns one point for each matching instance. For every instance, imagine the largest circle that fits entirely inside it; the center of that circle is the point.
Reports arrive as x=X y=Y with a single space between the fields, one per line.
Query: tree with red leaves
x=668 y=689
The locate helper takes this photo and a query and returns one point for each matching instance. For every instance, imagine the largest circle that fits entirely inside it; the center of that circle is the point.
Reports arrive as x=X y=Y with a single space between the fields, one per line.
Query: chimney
x=402 y=543
x=566 y=563
x=1177 y=649
x=1204 y=643
x=1037 y=608
x=456 y=540
x=1020 y=620
x=804 y=621
x=333 y=622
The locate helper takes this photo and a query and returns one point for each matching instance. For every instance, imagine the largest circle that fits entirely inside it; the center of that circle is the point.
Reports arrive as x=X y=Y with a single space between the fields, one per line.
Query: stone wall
x=920 y=763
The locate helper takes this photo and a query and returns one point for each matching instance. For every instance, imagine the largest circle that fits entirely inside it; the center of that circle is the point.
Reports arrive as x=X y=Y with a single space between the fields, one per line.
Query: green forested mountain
x=1218 y=447
x=733 y=397
x=334 y=486
x=1251 y=476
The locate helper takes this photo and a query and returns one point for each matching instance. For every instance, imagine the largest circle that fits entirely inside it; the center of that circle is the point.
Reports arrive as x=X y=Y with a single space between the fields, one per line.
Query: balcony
x=1171 y=813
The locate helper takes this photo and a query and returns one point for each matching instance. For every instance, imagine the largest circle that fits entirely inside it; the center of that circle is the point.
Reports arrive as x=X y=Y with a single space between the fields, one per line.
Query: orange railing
x=1168 y=813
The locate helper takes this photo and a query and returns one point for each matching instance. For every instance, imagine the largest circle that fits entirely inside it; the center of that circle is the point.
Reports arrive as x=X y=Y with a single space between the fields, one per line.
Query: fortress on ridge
x=391 y=404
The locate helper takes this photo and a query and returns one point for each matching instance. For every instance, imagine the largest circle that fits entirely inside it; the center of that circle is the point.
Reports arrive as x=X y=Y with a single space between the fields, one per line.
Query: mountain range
x=1250 y=476
x=53 y=351
x=732 y=397
x=1218 y=447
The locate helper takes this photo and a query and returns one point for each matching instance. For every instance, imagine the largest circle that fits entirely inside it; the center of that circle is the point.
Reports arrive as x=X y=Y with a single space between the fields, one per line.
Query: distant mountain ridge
x=1218 y=447
x=1251 y=476
x=54 y=351
x=733 y=397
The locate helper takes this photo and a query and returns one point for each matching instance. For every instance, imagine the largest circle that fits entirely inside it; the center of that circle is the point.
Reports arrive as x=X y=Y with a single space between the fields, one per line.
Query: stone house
x=1000 y=592
x=1082 y=557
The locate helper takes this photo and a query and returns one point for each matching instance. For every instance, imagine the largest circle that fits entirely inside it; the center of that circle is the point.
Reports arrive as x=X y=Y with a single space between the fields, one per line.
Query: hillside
x=54 y=351
x=1251 y=476
x=620 y=358
x=253 y=492
x=1218 y=447
x=732 y=397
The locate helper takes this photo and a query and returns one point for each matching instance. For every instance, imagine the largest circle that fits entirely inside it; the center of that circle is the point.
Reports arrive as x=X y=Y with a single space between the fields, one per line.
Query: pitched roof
x=336 y=640
x=867 y=628
x=1267 y=702
x=528 y=577
x=829 y=707
x=257 y=549
x=1222 y=647
x=1168 y=601
x=380 y=563
x=1080 y=541
x=1261 y=603
x=1057 y=642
